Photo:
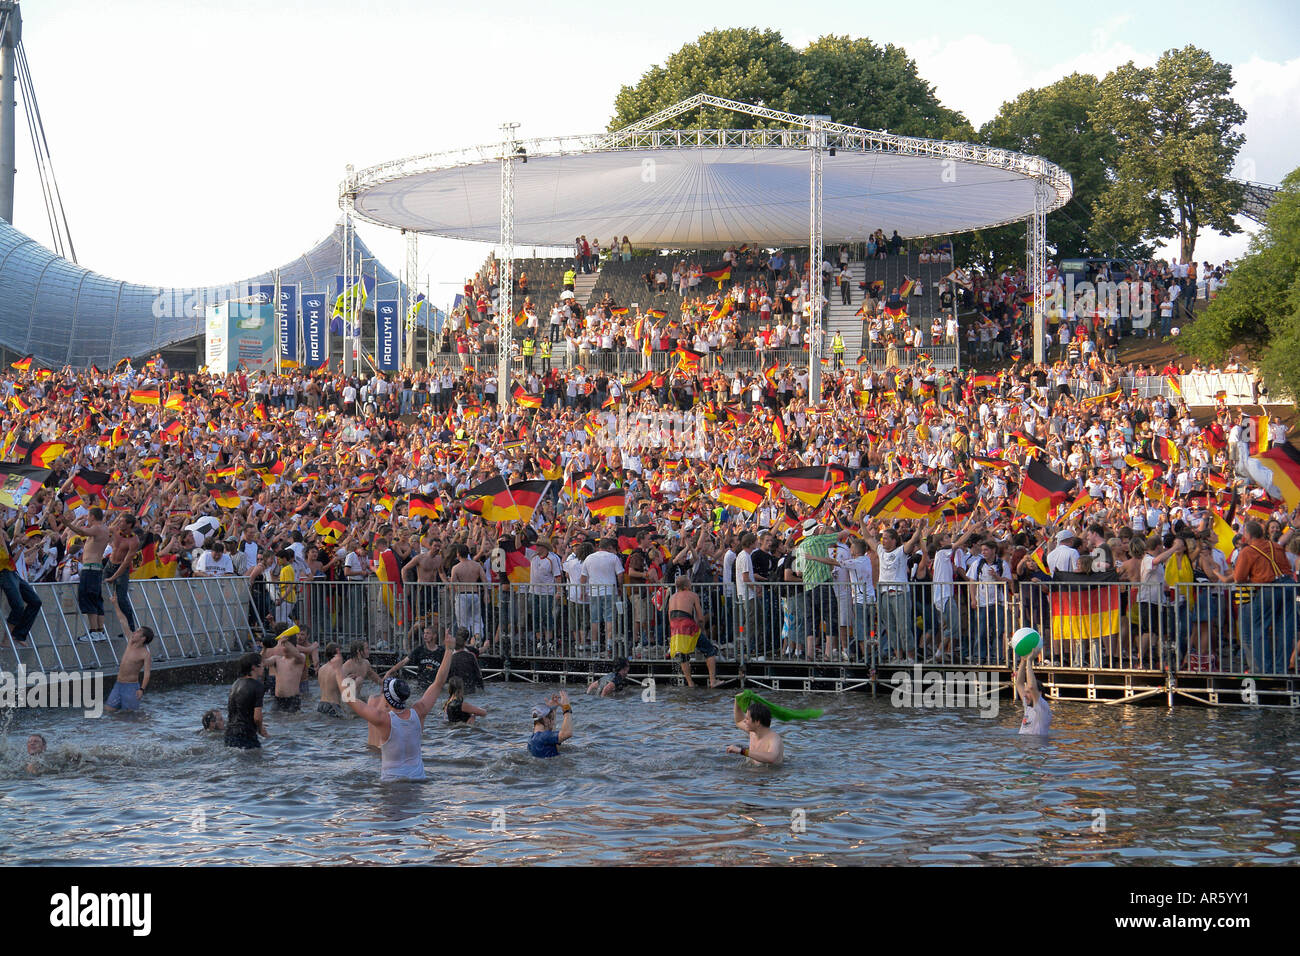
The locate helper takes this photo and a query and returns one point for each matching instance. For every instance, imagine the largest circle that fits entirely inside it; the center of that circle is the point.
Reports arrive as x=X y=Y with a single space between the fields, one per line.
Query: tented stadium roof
x=63 y=314
x=708 y=188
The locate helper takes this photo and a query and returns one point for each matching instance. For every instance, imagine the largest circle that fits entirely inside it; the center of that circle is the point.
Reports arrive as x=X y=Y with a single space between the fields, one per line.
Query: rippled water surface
x=648 y=783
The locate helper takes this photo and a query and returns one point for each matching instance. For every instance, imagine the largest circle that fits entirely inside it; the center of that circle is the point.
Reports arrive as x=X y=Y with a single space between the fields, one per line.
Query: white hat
x=810 y=526
x=1065 y=534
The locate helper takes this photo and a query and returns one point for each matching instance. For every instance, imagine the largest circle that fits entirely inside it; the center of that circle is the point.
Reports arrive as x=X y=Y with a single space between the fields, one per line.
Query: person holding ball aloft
x=1037 y=721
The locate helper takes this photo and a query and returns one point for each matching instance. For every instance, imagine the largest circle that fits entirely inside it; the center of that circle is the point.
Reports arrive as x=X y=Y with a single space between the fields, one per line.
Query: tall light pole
x=816 y=139
x=13 y=26
x=506 y=274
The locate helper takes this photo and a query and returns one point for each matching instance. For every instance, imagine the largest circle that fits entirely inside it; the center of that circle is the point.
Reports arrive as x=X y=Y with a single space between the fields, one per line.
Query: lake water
x=647 y=783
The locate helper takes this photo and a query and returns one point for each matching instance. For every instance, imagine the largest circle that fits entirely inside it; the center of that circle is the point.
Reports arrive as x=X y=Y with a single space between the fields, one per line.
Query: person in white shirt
x=215 y=562
x=1063 y=557
x=897 y=625
x=949 y=563
x=601 y=573
x=992 y=577
x=545 y=569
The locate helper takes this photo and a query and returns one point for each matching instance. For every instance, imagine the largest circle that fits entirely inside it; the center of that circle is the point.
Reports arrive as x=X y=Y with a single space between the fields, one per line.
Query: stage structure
x=804 y=181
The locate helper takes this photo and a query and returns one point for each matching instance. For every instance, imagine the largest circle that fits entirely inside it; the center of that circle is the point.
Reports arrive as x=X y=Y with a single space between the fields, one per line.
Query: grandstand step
x=583 y=285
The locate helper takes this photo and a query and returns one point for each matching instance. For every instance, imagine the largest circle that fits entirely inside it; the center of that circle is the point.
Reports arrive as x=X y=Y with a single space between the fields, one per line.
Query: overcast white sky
x=201 y=142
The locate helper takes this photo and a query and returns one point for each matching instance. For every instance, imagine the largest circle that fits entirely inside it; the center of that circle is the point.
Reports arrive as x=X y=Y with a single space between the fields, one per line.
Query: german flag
x=425 y=506
x=1082 y=611
x=1041 y=489
x=627 y=537
x=1111 y=396
x=20 y=403
x=1215 y=481
x=618 y=312
x=175 y=402
x=983 y=461
x=215 y=475
x=173 y=428
x=1165 y=449
x=329 y=527
x=145 y=565
x=656 y=313
x=1084 y=500
x=1261 y=509
x=1222 y=535
x=984 y=380
x=259 y=411
x=527 y=496
x=688 y=360
x=743 y=495
x=551 y=470
x=146 y=396
x=640 y=384
x=389 y=571
x=906 y=288
x=1027 y=441
x=809 y=485
x=224 y=496
x=519 y=570
x=1173 y=382
x=1259 y=444
x=526 y=399
x=90 y=485
x=269 y=470
x=896 y=312
x=722 y=309
x=1283 y=463
x=611 y=505
x=1212 y=437
x=492 y=500
x=521 y=319
x=23 y=364
x=719 y=275
x=1150 y=468
x=778 y=429
x=902 y=499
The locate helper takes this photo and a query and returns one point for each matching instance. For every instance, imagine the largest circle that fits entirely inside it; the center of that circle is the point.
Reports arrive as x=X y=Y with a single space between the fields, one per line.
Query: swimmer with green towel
x=747 y=697
x=765 y=744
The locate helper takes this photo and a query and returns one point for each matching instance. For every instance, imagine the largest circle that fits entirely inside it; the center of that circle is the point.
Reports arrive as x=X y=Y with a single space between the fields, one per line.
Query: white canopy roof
x=708 y=188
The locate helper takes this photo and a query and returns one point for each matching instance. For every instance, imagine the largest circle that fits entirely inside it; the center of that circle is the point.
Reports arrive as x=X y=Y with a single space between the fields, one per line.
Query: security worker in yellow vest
x=837 y=346
x=546 y=355
x=570 y=277
x=530 y=347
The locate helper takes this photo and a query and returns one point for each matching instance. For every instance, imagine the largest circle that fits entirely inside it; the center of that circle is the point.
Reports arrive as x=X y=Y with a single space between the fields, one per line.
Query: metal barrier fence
x=192 y=619
x=1123 y=627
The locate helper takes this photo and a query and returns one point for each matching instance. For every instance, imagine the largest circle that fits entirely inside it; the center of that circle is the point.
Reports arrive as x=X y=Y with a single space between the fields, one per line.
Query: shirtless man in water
x=90 y=584
x=765 y=744
x=289 y=666
x=331 y=694
x=136 y=658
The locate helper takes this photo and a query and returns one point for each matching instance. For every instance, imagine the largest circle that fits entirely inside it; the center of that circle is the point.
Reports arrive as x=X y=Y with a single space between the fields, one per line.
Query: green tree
x=851 y=80
x=1258 y=310
x=1052 y=122
x=1176 y=127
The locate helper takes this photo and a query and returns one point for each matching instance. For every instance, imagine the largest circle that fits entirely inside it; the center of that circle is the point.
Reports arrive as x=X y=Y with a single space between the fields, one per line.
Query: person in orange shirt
x=1269 y=618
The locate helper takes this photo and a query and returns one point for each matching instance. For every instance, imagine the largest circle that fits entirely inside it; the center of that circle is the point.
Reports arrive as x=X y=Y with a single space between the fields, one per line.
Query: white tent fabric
x=702 y=197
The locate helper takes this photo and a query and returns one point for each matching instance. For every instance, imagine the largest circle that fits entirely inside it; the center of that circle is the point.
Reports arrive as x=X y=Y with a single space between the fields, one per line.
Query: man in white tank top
x=401 y=728
x=1038 y=716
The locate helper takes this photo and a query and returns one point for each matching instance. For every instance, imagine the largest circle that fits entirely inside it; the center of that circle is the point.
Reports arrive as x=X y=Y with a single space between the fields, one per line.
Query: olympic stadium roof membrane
x=709 y=188
x=63 y=314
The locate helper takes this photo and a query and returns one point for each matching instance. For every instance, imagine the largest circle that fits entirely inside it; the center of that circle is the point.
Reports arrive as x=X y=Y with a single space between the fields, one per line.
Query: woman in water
x=459 y=712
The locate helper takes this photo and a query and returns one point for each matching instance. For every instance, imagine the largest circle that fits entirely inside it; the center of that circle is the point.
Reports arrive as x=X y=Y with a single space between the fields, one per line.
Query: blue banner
x=388 y=342
x=314 y=343
x=287 y=316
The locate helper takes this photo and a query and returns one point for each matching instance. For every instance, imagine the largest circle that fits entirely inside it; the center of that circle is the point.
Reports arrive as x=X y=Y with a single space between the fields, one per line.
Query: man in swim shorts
x=684 y=617
x=289 y=666
x=136 y=661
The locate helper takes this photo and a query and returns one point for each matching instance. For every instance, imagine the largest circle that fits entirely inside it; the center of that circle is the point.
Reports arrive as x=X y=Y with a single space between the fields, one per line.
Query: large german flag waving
x=1283 y=463
x=492 y=500
x=527 y=495
x=903 y=499
x=1040 y=490
x=612 y=505
x=809 y=485
x=743 y=495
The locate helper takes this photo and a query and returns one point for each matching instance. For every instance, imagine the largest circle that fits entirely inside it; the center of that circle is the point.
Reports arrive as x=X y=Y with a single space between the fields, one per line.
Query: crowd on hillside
x=304 y=478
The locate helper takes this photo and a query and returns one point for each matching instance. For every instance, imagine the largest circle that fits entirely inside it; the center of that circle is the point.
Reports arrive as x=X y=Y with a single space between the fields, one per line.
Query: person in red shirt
x=1269 y=618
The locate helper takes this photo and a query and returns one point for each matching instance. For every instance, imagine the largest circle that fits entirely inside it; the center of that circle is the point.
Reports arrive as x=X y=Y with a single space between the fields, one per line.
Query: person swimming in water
x=1038 y=716
x=765 y=744
x=36 y=746
x=546 y=740
x=401 y=726
x=613 y=682
x=213 y=722
x=459 y=712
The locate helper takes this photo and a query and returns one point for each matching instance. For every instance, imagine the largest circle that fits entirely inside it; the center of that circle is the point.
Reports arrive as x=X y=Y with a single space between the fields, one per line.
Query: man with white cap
x=399 y=729
x=1063 y=557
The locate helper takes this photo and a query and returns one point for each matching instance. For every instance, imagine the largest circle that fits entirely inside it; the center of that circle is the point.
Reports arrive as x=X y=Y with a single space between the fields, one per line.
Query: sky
x=198 y=143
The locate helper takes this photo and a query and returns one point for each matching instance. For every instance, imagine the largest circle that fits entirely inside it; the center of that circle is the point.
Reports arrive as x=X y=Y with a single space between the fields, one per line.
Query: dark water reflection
x=648 y=783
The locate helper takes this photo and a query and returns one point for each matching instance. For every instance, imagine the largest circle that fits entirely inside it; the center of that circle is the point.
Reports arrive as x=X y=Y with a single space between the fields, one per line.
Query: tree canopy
x=1259 y=308
x=853 y=81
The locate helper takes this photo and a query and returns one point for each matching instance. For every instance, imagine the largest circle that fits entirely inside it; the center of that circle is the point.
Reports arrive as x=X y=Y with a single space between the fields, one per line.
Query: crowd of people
x=304 y=482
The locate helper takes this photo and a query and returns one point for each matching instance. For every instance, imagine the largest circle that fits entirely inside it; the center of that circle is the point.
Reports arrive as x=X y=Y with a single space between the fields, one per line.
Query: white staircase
x=844 y=318
x=583 y=283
